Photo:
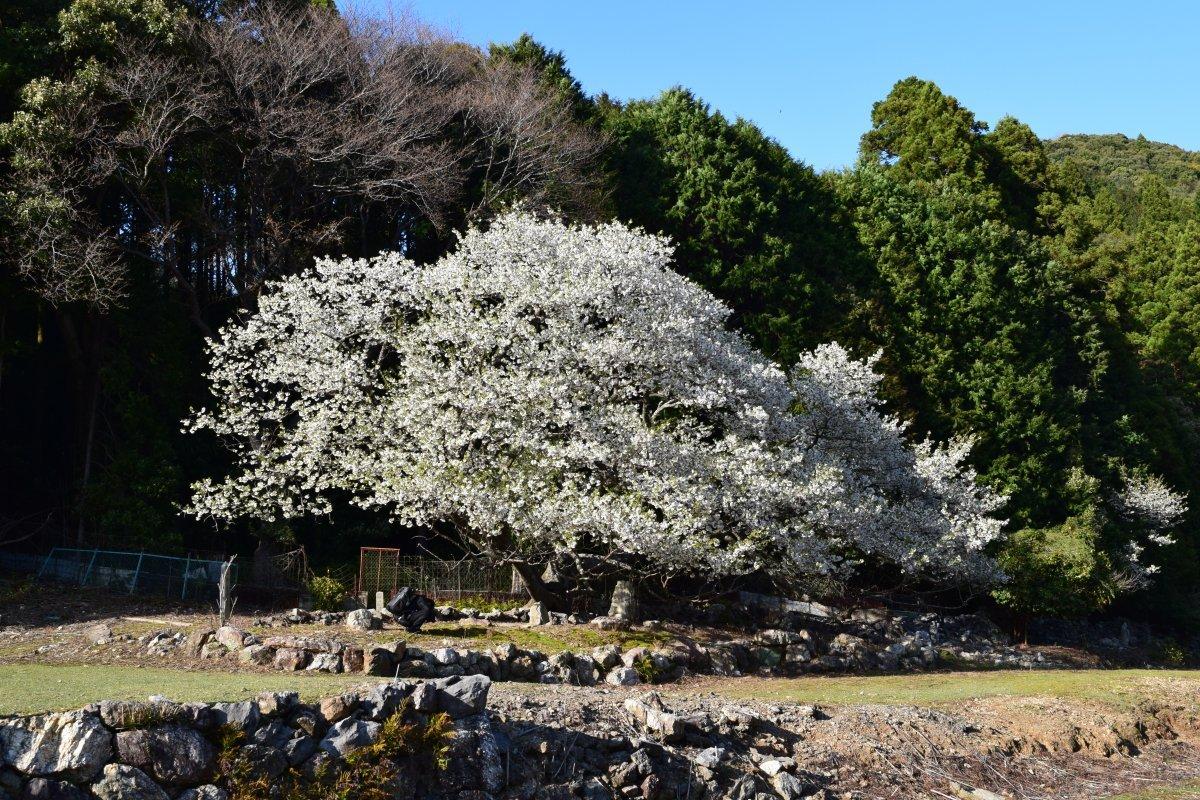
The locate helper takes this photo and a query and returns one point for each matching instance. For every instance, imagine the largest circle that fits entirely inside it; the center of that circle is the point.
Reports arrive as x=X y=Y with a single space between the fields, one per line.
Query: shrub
x=647 y=670
x=1170 y=653
x=327 y=592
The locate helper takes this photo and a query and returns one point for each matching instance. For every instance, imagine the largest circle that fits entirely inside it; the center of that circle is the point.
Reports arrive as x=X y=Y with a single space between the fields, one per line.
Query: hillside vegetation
x=1118 y=162
x=170 y=167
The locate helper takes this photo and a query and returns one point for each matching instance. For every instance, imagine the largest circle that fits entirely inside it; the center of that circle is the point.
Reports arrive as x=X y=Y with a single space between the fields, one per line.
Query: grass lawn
x=29 y=688
x=1184 y=790
x=1124 y=687
x=32 y=688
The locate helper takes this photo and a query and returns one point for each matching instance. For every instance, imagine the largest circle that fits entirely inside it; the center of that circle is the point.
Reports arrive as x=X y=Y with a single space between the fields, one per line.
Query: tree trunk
x=539 y=589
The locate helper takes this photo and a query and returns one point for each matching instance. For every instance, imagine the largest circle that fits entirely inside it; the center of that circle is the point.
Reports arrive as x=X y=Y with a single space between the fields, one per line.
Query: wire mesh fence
x=134 y=573
x=385 y=570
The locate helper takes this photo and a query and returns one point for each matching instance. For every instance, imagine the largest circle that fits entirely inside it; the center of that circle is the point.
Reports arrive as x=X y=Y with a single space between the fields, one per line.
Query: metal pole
x=91 y=564
x=137 y=572
x=46 y=562
x=186 y=567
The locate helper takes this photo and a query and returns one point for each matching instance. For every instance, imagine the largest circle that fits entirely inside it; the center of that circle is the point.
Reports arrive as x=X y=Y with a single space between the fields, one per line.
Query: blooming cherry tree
x=550 y=391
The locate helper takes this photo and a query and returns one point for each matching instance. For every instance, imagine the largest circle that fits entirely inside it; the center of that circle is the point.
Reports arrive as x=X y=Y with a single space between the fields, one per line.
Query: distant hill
x=1122 y=162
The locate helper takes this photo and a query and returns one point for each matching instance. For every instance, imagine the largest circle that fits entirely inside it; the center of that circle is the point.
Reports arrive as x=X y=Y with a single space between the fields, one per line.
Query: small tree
x=557 y=392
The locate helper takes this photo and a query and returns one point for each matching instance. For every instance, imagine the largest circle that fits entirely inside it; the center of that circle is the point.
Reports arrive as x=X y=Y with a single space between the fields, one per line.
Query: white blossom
x=1147 y=503
x=549 y=389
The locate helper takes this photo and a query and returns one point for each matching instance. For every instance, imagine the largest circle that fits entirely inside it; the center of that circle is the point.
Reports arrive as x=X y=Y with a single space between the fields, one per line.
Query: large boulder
x=349 y=735
x=325 y=662
x=172 y=754
x=123 y=782
x=462 y=696
x=233 y=638
x=243 y=716
x=538 y=615
x=650 y=713
x=74 y=746
x=363 y=620
x=289 y=659
x=261 y=762
x=474 y=764
x=121 y=715
x=623 y=676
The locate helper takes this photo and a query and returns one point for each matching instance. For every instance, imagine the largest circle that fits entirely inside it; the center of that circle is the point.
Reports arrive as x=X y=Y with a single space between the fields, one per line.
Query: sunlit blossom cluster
x=550 y=389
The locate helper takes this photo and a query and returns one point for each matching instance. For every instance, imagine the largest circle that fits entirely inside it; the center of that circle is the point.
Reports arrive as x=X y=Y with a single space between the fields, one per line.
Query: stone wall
x=159 y=750
x=794 y=638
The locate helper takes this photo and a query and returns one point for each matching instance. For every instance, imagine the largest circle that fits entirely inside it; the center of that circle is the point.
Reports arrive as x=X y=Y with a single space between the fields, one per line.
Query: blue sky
x=807 y=73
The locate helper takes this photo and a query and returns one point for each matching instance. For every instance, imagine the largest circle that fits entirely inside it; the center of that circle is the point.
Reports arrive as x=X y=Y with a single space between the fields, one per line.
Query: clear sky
x=808 y=72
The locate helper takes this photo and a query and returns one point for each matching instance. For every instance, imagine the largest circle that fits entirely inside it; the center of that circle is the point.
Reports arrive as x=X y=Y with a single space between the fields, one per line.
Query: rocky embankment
x=446 y=738
x=792 y=638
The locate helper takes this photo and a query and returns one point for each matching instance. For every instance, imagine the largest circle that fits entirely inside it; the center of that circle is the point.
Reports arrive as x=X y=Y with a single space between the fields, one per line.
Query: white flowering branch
x=549 y=389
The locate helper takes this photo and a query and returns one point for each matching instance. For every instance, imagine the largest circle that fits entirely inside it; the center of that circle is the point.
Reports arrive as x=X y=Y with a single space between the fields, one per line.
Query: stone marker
x=624 y=602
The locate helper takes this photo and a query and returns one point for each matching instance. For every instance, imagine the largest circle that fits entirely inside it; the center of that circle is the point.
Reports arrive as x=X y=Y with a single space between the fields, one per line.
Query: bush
x=1170 y=653
x=1058 y=571
x=327 y=592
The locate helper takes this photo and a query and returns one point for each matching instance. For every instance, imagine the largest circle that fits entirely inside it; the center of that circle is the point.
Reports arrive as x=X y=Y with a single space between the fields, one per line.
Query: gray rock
x=424 y=698
x=213 y=649
x=243 y=716
x=623 y=676
x=462 y=696
x=256 y=654
x=444 y=656
x=379 y=662
x=325 y=662
x=273 y=703
x=97 y=634
x=349 y=735
x=274 y=734
x=653 y=716
x=74 y=746
x=290 y=659
x=607 y=656
x=123 y=715
x=474 y=762
x=172 y=754
x=788 y=786
x=624 y=602
x=363 y=620
x=43 y=789
x=711 y=757
x=233 y=638
x=123 y=782
x=298 y=749
x=262 y=761
x=206 y=792
x=381 y=701
x=538 y=615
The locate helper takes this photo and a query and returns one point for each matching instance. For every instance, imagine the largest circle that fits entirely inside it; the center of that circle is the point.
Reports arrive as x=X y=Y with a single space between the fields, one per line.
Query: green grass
x=28 y=688
x=33 y=688
x=549 y=639
x=1183 y=790
x=1112 y=687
